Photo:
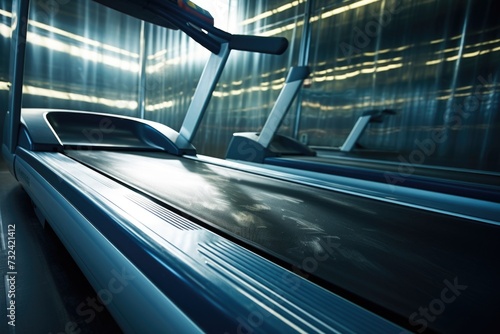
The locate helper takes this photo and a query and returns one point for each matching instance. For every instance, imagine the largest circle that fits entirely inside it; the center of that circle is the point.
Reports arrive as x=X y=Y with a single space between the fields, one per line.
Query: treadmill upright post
x=294 y=81
x=20 y=11
x=361 y=124
x=355 y=133
x=206 y=86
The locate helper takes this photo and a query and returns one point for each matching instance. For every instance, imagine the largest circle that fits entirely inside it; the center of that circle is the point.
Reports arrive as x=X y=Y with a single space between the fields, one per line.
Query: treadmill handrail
x=171 y=15
x=260 y=44
x=186 y=22
x=219 y=42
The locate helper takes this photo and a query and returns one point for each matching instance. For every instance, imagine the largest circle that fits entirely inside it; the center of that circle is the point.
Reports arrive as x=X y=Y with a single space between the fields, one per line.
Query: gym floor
x=50 y=292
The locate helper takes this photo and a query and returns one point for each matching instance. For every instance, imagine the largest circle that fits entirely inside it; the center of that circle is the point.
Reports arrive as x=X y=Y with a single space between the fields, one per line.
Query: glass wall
x=434 y=62
x=79 y=55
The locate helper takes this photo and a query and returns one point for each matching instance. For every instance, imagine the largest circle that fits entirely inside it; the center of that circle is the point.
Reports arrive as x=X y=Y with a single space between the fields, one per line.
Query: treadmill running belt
x=397 y=257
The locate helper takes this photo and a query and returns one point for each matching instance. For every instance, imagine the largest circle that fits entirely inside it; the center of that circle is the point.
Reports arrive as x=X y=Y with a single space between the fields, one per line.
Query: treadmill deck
x=378 y=253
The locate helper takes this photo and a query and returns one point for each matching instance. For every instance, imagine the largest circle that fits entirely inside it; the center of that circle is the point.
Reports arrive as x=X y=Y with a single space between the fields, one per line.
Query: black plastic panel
x=245 y=146
x=55 y=130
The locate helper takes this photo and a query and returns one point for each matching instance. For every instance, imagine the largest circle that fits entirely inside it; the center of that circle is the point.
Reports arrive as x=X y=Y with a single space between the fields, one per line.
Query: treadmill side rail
x=136 y=303
x=185 y=277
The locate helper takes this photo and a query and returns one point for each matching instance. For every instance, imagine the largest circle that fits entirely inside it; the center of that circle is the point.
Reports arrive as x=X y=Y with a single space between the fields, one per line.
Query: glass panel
x=434 y=63
x=80 y=55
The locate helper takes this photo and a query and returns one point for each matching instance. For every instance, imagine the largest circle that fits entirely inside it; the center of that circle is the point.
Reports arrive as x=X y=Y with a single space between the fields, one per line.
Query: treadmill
x=174 y=241
x=351 y=160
